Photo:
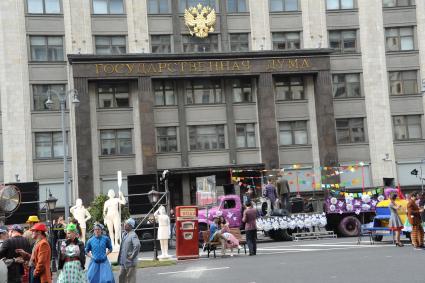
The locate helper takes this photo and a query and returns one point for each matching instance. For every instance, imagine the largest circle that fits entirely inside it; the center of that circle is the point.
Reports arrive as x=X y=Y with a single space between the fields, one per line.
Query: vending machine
x=187 y=242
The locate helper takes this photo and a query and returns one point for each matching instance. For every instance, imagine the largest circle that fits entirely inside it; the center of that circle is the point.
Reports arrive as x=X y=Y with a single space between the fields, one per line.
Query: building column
x=315 y=34
x=376 y=91
x=231 y=127
x=14 y=91
x=83 y=154
x=138 y=31
x=184 y=142
x=177 y=37
x=420 y=20
x=260 y=25
x=77 y=20
x=147 y=125
x=186 y=189
x=224 y=30
x=314 y=136
x=267 y=122
x=325 y=120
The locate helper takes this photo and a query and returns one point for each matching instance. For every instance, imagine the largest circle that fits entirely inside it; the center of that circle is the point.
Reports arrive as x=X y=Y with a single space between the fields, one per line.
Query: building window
x=203 y=91
x=185 y=4
x=108 y=7
x=166 y=139
x=48 y=145
x=237 y=6
x=116 y=142
x=289 y=88
x=40 y=95
x=239 y=42
x=404 y=82
x=44 y=6
x=343 y=41
x=242 y=90
x=283 y=5
x=286 y=40
x=293 y=133
x=399 y=39
x=207 y=137
x=46 y=48
x=158 y=7
x=113 y=95
x=346 y=85
x=407 y=127
x=350 y=130
x=161 y=43
x=397 y=3
x=110 y=45
x=245 y=135
x=164 y=93
x=339 y=4
x=192 y=44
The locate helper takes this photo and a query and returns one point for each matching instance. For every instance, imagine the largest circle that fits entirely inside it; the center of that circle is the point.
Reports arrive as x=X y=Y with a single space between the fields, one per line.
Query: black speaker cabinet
x=29 y=192
x=140 y=184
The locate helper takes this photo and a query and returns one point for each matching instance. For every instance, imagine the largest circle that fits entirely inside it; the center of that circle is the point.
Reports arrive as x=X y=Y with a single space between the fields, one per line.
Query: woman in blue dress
x=97 y=248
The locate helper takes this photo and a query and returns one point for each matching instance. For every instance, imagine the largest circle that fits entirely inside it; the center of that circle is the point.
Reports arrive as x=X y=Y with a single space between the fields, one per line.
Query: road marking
x=313 y=250
x=194 y=270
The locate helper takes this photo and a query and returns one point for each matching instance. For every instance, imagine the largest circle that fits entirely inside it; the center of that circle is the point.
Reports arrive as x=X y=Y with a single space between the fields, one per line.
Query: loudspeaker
x=297 y=205
x=140 y=184
x=389 y=182
x=229 y=189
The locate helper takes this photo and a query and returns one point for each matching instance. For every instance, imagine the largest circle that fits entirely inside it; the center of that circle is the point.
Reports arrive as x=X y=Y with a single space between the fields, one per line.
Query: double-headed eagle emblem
x=200 y=20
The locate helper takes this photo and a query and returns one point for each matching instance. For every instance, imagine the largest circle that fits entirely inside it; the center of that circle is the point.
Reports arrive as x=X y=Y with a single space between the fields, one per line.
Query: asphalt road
x=329 y=260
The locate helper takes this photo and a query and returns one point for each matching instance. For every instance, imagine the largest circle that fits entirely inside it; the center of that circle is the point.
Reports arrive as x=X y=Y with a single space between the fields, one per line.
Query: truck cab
x=230 y=207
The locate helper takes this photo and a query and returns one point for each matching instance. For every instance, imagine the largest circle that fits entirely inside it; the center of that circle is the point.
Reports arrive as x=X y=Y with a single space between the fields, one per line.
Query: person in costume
x=97 y=248
x=72 y=258
x=395 y=222
x=39 y=260
x=414 y=216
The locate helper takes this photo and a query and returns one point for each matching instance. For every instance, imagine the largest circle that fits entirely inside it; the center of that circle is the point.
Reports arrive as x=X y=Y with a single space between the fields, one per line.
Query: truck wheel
x=378 y=238
x=349 y=226
x=280 y=235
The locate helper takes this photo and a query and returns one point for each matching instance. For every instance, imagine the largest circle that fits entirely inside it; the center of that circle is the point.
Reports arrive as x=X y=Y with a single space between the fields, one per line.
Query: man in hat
x=283 y=191
x=8 y=251
x=129 y=250
x=33 y=219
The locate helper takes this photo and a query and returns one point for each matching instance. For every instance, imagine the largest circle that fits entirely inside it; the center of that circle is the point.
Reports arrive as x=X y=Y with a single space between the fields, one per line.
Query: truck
x=279 y=226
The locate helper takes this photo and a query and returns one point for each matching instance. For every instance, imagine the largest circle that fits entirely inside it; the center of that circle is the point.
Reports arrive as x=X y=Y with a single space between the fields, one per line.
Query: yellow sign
x=200 y=20
x=188 y=212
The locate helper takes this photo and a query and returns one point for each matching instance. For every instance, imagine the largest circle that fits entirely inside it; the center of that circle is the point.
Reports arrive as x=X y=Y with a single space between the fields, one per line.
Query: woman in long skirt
x=97 y=248
x=72 y=258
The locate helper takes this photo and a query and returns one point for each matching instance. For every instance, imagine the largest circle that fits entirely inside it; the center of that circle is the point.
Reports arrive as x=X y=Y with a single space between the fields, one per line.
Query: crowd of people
x=28 y=253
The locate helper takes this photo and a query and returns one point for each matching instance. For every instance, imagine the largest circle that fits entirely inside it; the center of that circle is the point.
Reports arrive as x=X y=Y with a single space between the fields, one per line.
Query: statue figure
x=112 y=217
x=82 y=215
x=163 y=230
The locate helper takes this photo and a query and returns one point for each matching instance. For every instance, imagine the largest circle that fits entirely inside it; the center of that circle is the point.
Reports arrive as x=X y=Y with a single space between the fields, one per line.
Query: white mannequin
x=112 y=217
x=163 y=230
x=82 y=215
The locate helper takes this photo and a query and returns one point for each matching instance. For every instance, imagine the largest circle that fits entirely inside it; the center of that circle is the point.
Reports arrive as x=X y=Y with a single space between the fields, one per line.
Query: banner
x=206 y=191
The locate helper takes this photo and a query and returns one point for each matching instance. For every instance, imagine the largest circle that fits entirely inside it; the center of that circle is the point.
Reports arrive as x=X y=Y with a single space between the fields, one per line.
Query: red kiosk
x=187 y=233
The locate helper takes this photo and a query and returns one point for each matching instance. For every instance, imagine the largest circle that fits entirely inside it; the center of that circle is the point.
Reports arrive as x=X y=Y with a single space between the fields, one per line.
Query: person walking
x=8 y=251
x=72 y=258
x=414 y=216
x=249 y=218
x=129 y=251
x=97 y=248
x=39 y=260
x=395 y=224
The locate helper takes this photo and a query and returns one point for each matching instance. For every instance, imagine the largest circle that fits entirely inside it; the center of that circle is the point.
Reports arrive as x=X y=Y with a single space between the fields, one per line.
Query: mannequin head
x=162 y=210
x=79 y=202
x=111 y=194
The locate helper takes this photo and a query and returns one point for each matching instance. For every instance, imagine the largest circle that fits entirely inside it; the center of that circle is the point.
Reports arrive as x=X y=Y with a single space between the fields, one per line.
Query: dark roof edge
x=82 y=58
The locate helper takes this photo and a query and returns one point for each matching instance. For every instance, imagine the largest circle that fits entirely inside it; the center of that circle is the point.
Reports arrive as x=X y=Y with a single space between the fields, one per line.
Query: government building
x=212 y=87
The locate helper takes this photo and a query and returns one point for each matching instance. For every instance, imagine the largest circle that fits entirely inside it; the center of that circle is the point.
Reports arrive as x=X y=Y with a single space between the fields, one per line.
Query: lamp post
x=62 y=101
x=153 y=196
x=51 y=205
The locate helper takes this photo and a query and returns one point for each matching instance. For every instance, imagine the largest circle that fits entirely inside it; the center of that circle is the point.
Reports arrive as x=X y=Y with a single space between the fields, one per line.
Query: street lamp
x=51 y=205
x=153 y=196
x=62 y=101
